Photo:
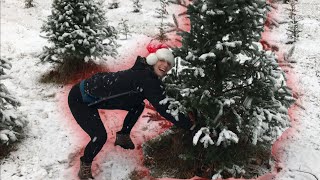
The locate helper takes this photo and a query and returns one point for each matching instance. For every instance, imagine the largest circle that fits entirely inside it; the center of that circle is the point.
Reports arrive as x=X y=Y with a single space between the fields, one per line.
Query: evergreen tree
x=238 y=88
x=29 y=3
x=114 y=4
x=162 y=11
x=293 y=29
x=78 y=31
x=11 y=120
x=124 y=28
x=136 y=5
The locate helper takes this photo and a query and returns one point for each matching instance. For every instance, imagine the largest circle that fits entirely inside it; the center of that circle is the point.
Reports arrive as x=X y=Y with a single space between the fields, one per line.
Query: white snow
x=299 y=150
x=205 y=131
x=226 y=135
x=54 y=140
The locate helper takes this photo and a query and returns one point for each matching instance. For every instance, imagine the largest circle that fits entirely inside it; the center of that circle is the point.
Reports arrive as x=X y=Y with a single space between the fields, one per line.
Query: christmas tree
x=235 y=85
x=12 y=121
x=78 y=31
x=237 y=89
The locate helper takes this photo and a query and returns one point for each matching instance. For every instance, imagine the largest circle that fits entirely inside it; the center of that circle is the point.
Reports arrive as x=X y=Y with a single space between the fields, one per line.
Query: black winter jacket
x=142 y=80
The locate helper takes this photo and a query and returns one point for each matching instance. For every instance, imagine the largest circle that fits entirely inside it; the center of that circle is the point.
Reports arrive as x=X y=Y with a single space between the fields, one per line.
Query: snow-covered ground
x=299 y=152
x=54 y=140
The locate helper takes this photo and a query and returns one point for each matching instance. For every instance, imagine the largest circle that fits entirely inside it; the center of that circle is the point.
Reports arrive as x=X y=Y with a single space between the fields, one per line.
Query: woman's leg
x=89 y=120
x=132 y=117
x=123 y=136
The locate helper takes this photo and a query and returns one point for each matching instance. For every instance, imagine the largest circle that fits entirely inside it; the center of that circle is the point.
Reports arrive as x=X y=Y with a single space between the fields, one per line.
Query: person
x=123 y=90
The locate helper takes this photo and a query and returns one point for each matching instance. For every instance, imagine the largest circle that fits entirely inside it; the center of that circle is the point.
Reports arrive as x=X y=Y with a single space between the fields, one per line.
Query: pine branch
x=178 y=2
x=170 y=30
x=5 y=77
x=9 y=99
x=183 y=13
x=305 y=172
x=220 y=113
x=299 y=105
x=179 y=40
x=53 y=61
x=286 y=64
x=44 y=36
x=239 y=87
x=5 y=63
x=290 y=52
x=175 y=20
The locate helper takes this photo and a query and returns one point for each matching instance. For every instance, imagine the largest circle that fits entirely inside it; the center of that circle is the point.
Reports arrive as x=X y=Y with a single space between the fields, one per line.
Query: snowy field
x=54 y=140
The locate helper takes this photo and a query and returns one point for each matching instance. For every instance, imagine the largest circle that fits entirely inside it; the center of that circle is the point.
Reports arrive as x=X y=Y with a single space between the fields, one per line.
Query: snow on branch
x=206 y=140
x=227 y=136
x=9 y=98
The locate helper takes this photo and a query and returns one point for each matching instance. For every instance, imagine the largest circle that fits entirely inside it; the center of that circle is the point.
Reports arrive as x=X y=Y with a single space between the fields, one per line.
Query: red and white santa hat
x=159 y=51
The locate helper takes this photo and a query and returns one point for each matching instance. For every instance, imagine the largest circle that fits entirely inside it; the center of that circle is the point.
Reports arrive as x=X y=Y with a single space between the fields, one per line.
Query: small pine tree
x=162 y=11
x=162 y=36
x=136 y=5
x=78 y=31
x=293 y=29
x=124 y=28
x=29 y=3
x=12 y=121
x=113 y=5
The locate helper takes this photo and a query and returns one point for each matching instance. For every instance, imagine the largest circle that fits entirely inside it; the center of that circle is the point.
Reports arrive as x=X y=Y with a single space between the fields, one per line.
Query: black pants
x=89 y=120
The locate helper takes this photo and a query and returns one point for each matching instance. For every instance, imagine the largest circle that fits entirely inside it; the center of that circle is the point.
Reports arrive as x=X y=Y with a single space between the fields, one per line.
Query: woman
x=123 y=90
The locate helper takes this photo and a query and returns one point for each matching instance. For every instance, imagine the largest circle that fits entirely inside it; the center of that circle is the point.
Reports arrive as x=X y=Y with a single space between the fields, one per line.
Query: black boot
x=124 y=141
x=85 y=171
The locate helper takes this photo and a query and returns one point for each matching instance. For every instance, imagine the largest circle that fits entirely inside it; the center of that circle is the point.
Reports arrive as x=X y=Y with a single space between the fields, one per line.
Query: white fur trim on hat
x=152 y=59
x=166 y=55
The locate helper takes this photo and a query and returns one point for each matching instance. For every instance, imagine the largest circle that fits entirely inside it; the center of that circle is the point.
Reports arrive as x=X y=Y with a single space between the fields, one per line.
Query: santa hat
x=163 y=53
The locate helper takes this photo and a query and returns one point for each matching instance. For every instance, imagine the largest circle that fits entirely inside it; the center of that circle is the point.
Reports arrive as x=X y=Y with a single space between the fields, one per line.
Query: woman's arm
x=154 y=93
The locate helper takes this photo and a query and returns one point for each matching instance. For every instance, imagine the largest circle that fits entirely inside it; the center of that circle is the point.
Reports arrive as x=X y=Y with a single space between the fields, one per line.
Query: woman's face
x=162 y=67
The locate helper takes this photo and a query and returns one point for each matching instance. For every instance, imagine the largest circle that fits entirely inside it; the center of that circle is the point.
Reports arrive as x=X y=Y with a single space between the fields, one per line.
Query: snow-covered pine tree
x=114 y=4
x=29 y=3
x=238 y=88
x=124 y=28
x=136 y=5
x=162 y=12
x=293 y=25
x=77 y=31
x=12 y=121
